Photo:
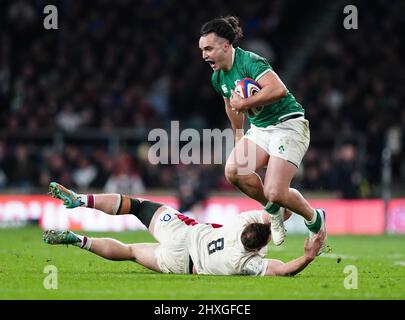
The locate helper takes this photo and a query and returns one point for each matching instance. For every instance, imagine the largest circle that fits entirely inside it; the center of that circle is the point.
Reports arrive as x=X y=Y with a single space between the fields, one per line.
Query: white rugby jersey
x=219 y=251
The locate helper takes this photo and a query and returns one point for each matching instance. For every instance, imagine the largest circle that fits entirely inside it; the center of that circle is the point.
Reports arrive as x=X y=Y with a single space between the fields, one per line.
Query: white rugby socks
x=85 y=242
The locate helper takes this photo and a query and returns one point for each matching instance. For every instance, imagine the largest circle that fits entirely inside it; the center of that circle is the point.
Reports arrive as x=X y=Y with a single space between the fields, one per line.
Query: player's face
x=214 y=50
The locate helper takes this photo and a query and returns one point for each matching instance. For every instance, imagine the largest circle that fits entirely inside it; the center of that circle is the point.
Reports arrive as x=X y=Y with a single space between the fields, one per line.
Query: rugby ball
x=247 y=87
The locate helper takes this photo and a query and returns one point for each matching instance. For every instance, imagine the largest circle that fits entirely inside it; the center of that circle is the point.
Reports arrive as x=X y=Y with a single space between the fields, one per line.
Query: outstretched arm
x=291 y=268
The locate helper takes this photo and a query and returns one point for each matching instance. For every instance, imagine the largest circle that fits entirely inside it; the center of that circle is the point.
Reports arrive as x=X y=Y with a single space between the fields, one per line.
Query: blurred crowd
x=352 y=91
x=115 y=65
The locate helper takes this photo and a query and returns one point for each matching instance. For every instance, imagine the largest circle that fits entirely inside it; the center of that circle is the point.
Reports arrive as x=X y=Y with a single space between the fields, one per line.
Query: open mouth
x=211 y=63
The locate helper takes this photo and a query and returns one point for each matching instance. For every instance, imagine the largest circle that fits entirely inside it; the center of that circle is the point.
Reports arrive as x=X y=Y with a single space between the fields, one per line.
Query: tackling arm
x=291 y=268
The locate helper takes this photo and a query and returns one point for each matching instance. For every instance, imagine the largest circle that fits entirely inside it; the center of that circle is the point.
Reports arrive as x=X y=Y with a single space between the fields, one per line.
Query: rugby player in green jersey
x=278 y=135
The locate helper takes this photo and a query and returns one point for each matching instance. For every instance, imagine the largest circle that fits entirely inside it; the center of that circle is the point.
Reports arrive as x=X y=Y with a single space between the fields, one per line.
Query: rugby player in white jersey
x=184 y=246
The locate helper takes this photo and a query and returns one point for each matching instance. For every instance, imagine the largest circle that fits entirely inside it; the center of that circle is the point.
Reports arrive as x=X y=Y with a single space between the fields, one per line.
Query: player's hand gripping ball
x=245 y=88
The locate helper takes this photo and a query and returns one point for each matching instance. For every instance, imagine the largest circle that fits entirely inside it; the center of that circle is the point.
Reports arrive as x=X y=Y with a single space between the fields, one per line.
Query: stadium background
x=77 y=103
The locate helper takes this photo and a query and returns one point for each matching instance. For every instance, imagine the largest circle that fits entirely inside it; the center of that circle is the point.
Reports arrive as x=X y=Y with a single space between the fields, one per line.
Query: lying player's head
x=217 y=37
x=255 y=236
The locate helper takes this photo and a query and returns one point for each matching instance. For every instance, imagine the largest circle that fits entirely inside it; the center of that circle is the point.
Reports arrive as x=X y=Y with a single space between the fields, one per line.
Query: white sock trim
x=83 y=198
x=268 y=205
x=85 y=242
x=313 y=220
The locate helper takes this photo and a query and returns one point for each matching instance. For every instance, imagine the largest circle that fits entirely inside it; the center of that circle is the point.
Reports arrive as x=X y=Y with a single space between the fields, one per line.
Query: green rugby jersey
x=247 y=64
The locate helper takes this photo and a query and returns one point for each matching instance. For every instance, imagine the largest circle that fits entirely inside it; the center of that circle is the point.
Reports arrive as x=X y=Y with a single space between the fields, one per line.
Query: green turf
x=380 y=262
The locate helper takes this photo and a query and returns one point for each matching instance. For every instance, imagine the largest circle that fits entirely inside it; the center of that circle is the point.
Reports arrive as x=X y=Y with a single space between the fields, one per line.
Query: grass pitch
x=379 y=261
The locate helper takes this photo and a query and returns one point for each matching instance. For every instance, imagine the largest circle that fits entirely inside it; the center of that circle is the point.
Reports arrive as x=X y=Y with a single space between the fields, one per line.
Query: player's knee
x=275 y=195
x=231 y=173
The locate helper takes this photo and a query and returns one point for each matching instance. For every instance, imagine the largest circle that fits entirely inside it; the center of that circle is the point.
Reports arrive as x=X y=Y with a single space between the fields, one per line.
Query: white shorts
x=171 y=229
x=288 y=140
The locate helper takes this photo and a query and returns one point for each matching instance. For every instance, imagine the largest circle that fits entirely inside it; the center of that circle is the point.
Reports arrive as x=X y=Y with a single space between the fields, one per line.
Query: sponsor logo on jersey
x=167 y=217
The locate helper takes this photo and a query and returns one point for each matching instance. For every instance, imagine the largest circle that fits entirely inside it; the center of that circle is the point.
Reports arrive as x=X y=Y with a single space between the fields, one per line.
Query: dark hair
x=224 y=27
x=255 y=236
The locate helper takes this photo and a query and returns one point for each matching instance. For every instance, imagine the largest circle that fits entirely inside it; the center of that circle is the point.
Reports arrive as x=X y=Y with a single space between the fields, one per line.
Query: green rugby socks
x=271 y=208
x=316 y=223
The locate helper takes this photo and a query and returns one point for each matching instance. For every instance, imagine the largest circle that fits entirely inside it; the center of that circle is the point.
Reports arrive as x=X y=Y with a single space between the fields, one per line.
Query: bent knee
x=231 y=173
x=276 y=195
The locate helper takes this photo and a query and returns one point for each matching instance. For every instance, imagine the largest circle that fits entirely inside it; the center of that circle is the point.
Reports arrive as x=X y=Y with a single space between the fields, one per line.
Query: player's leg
x=240 y=169
x=108 y=248
x=242 y=174
x=141 y=253
x=115 y=204
x=112 y=203
x=288 y=144
x=278 y=178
